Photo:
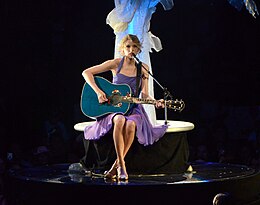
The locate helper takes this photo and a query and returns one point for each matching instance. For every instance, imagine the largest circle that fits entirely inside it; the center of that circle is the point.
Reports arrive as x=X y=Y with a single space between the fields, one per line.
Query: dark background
x=210 y=54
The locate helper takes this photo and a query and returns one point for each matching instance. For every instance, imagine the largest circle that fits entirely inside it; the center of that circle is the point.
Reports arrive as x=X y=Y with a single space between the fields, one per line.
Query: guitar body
x=89 y=101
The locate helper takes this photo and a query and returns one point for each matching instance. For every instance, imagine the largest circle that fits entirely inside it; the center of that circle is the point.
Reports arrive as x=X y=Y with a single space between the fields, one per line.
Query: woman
x=135 y=122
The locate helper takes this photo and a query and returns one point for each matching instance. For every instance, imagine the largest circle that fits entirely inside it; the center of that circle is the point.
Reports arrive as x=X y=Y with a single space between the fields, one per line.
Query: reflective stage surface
x=200 y=173
x=62 y=184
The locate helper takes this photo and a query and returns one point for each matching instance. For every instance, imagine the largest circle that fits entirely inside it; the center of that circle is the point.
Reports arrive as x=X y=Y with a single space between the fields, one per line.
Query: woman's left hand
x=159 y=103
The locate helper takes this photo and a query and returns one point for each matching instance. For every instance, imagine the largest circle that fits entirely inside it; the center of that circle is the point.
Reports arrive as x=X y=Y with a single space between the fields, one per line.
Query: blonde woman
x=135 y=122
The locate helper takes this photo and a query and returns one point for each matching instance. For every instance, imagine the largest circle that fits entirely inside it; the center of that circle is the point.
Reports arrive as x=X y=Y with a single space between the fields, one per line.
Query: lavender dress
x=146 y=133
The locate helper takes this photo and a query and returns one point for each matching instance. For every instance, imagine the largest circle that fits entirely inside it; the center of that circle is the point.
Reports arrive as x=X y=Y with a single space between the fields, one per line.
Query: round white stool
x=174 y=126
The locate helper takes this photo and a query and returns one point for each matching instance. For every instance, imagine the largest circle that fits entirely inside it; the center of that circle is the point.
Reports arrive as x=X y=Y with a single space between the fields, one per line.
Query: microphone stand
x=166 y=93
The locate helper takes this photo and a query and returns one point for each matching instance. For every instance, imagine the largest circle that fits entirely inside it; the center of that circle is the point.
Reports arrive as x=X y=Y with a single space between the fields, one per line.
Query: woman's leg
x=129 y=134
x=119 y=122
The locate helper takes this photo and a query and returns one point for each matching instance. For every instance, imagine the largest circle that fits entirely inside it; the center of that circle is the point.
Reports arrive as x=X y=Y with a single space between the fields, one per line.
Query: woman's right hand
x=101 y=97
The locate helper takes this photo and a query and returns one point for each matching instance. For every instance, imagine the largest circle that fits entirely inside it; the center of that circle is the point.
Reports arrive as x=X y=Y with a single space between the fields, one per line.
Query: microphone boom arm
x=166 y=93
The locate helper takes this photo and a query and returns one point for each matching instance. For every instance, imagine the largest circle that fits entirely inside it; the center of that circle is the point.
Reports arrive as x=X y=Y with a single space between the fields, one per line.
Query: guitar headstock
x=176 y=105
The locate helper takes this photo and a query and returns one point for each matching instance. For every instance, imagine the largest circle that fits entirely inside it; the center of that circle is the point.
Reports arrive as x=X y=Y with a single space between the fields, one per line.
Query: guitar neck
x=138 y=100
x=172 y=104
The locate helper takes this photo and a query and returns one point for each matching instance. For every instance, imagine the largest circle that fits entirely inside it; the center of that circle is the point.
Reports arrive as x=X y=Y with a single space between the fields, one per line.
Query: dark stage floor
x=55 y=184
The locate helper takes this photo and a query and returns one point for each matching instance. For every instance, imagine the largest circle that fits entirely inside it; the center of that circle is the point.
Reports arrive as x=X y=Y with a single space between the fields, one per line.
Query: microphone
x=135 y=58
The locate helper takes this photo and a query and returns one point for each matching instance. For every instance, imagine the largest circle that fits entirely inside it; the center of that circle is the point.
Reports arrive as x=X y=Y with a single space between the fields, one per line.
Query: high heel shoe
x=112 y=173
x=109 y=175
x=121 y=174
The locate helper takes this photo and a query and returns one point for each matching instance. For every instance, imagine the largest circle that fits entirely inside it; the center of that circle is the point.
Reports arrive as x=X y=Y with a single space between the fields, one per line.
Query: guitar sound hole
x=115 y=99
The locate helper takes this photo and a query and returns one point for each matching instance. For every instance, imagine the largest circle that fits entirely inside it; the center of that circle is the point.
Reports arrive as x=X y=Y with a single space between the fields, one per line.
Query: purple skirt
x=146 y=133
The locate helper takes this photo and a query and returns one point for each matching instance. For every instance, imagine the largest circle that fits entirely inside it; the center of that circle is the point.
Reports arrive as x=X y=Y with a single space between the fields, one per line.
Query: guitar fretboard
x=138 y=100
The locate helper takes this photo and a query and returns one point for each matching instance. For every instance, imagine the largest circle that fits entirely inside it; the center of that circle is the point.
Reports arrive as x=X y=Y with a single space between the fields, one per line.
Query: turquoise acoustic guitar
x=119 y=99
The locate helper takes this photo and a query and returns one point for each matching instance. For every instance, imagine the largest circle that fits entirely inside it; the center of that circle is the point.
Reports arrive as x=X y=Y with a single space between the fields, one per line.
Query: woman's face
x=130 y=48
